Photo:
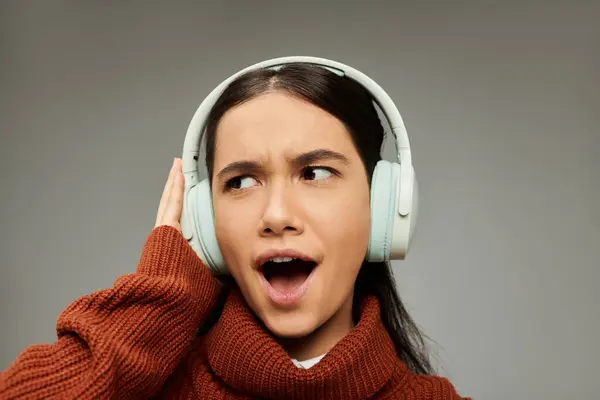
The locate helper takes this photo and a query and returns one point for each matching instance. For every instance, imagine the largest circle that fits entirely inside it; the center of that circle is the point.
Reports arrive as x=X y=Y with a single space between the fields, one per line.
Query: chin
x=294 y=324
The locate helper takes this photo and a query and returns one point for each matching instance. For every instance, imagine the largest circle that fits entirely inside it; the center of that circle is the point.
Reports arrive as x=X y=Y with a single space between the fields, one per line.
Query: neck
x=322 y=339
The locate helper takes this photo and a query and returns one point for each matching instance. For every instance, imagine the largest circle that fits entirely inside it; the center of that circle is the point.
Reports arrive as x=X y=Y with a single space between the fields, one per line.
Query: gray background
x=501 y=100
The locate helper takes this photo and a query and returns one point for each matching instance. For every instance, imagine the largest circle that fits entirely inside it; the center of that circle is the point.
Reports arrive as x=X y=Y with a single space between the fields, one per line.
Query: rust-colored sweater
x=137 y=340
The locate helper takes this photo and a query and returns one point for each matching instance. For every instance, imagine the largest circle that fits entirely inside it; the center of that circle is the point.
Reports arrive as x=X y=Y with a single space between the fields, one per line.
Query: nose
x=280 y=217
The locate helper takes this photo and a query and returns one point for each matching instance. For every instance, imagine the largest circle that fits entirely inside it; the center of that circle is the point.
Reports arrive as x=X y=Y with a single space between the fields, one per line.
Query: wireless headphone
x=394 y=191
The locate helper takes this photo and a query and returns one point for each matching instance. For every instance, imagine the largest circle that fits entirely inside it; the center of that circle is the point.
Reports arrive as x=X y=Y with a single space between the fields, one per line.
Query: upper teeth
x=281 y=259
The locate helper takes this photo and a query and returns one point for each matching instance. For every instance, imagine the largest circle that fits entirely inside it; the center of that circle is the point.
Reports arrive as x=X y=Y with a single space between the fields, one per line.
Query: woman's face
x=288 y=183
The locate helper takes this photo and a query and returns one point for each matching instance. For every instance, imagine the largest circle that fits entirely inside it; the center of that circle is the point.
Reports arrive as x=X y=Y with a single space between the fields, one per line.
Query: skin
x=275 y=199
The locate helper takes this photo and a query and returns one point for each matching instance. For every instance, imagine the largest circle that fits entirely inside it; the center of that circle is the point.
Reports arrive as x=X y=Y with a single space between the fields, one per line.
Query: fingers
x=173 y=209
x=171 y=201
x=165 y=194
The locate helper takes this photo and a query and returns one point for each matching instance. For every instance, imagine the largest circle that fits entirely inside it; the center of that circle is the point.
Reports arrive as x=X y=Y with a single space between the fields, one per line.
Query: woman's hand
x=171 y=202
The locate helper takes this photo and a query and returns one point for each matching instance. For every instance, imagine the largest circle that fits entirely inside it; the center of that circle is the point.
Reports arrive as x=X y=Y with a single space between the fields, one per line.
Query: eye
x=316 y=173
x=240 y=182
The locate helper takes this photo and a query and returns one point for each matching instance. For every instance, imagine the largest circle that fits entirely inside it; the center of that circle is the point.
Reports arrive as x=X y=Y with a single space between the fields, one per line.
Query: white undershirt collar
x=306 y=364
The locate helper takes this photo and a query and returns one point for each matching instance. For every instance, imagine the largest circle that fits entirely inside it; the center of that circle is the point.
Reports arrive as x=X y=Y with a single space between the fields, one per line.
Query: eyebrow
x=301 y=160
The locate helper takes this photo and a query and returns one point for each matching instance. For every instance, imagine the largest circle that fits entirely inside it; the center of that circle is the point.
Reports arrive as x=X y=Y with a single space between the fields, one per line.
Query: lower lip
x=287 y=299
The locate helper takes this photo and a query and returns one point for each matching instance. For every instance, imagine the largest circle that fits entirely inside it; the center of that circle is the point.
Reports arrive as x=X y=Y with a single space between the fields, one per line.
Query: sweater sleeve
x=122 y=342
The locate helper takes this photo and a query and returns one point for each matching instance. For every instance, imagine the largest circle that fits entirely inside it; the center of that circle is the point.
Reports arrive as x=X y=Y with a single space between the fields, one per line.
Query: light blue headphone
x=394 y=191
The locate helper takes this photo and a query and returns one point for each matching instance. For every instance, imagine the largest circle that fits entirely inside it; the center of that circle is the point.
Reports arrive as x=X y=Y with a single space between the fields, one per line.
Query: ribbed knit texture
x=137 y=340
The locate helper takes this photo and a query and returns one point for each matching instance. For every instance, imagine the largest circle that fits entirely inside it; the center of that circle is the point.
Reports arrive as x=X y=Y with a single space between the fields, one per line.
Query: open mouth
x=287 y=275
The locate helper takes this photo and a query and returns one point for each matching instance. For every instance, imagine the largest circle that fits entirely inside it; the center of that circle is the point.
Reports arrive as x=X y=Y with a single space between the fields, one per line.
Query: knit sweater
x=138 y=340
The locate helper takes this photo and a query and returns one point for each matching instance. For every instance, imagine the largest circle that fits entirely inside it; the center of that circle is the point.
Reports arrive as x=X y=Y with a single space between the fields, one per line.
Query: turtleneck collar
x=247 y=357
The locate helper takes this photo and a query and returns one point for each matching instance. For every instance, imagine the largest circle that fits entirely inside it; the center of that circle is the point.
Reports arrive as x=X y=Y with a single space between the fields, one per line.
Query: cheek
x=343 y=223
x=347 y=213
x=232 y=231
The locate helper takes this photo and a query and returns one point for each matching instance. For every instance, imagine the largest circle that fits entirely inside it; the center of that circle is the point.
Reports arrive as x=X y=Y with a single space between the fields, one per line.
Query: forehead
x=278 y=123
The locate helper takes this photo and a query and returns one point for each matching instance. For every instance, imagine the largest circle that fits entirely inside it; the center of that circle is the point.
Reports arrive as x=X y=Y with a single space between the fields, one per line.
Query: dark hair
x=353 y=105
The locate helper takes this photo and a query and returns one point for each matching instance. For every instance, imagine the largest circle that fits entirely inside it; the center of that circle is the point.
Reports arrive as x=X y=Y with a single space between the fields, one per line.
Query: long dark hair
x=352 y=104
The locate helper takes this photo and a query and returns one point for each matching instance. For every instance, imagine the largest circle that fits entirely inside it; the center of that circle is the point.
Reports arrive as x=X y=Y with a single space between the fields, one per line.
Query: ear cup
x=404 y=226
x=201 y=209
x=384 y=189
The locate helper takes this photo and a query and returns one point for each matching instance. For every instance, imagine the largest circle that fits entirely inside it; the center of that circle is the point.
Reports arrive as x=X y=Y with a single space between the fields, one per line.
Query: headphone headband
x=191 y=146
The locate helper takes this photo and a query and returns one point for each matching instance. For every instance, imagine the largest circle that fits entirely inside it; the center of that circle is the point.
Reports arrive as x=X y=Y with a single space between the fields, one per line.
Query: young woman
x=290 y=155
